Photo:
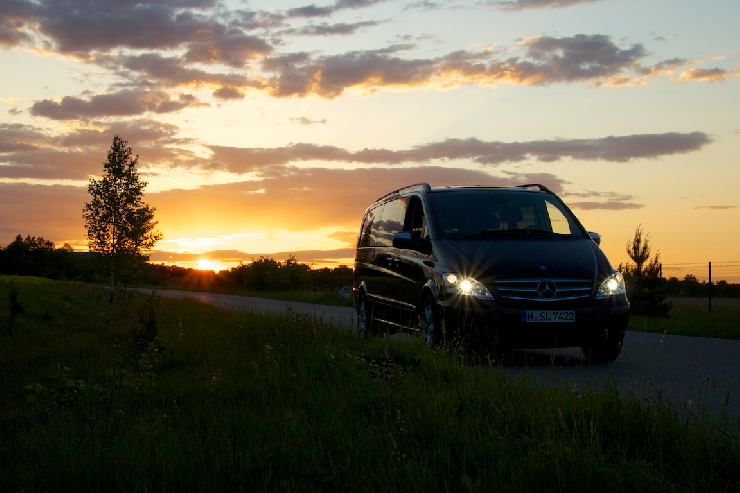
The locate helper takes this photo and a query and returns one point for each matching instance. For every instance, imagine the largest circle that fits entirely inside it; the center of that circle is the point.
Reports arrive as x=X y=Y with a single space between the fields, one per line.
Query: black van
x=509 y=264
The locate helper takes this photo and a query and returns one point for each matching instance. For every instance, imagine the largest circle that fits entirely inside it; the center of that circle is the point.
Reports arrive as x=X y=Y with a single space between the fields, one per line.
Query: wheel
x=603 y=350
x=364 y=318
x=429 y=323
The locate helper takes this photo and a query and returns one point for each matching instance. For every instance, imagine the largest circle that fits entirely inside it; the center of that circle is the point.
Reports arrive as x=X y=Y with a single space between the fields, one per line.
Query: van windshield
x=468 y=213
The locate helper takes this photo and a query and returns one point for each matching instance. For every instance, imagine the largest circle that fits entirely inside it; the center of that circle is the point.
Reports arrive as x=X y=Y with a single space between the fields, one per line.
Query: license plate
x=548 y=316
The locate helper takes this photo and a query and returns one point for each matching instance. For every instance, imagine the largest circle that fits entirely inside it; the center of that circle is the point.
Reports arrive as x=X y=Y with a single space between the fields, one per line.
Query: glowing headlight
x=613 y=284
x=466 y=286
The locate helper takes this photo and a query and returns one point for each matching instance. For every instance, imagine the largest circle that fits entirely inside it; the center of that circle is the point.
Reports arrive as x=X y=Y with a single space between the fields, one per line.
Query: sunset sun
x=204 y=264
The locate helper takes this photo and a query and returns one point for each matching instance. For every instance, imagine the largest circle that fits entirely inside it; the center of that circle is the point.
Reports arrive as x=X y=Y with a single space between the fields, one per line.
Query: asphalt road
x=690 y=372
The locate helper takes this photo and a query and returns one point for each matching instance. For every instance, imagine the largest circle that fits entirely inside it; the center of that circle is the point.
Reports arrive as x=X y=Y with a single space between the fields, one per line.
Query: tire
x=429 y=323
x=364 y=318
x=603 y=350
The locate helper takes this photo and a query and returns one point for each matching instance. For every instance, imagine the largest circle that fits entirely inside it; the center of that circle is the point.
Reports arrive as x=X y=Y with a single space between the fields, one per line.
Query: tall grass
x=691 y=317
x=225 y=401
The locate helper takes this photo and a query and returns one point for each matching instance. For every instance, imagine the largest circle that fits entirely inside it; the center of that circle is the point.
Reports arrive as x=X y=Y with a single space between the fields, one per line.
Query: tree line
x=35 y=256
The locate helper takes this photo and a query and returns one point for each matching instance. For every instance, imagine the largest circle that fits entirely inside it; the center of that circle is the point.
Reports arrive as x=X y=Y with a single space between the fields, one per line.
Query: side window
x=373 y=215
x=415 y=218
x=391 y=222
x=558 y=221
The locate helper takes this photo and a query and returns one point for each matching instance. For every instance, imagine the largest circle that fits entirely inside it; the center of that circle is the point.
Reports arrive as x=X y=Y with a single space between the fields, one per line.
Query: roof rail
x=542 y=188
x=423 y=184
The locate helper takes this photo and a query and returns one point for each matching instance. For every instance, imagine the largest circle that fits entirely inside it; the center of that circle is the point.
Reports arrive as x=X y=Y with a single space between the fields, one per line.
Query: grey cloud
x=172 y=72
x=302 y=120
x=251 y=20
x=423 y=5
x=325 y=29
x=27 y=152
x=516 y=5
x=313 y=11
x=14 y=14
x=11 y=33
x=228 y=92
x=229 y=48
x=330 y=76
x=107 y=25
x=356 y=4
x=310 y=11
x=123 y=103
x=716 y=207
x=581 y=58
x=612 y=149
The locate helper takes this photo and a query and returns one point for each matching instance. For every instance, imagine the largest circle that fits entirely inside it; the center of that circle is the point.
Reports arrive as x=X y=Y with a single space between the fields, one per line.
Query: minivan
x=509 y=265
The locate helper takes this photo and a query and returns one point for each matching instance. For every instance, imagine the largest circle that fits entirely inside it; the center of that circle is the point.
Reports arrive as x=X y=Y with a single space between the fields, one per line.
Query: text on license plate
x=548 y=316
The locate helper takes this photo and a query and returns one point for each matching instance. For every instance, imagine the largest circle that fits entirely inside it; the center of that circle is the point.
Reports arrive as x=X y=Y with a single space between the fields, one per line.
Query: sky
x=266 y=128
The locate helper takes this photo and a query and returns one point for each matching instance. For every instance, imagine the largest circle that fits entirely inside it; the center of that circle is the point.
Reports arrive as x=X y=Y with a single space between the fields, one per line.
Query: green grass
x=691 y=317
x=227 y=401
x=319 y=298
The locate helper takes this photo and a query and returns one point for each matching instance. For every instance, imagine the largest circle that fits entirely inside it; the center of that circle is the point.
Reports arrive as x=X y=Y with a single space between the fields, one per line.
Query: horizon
x=271 y=126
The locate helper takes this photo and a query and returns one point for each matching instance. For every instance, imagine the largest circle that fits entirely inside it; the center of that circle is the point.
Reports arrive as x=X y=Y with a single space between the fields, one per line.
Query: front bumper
x=594 y=320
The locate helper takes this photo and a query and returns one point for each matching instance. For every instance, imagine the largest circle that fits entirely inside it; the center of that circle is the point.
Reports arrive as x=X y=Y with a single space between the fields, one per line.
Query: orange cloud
x=709 y=75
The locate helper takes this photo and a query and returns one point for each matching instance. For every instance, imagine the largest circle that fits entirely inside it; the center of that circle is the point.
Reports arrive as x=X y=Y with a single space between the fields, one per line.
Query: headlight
x=613 y=284
x=468 y=286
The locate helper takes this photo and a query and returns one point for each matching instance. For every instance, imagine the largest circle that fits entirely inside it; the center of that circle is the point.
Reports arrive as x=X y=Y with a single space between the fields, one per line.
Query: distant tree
x=119 y=224
x=645 y=287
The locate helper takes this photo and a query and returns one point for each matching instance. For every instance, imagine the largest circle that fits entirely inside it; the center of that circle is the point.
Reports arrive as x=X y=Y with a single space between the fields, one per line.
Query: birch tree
x=119 y=224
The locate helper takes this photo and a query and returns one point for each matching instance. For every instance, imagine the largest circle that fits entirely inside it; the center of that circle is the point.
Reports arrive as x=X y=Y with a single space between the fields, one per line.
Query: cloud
x=123 y=103
x=54 y=212
x=311 y=11
x=27 y=152
x=14 y=14
x=517 y=5
x=11 y=33
x=302 y=120
x=293 y=199
x=710 y=75
x=232 y=49
x=610 y=205
x=228 y=92
x=306 y=199
x=595 y=59
x=173 y=72
x=325 y=29
x=716 y=207
x=611 y=149
x=102 y=25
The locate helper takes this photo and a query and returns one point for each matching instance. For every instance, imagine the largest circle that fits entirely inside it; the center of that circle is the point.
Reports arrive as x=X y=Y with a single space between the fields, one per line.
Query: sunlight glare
x=204 y=264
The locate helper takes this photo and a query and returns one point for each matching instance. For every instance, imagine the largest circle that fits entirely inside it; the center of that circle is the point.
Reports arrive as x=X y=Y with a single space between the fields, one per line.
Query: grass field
x=691 y=317
x=229 y=401
x=319 y=298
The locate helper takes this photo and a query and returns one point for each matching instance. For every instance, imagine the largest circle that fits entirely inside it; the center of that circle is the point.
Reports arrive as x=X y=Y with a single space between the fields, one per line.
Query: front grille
x=526 y=289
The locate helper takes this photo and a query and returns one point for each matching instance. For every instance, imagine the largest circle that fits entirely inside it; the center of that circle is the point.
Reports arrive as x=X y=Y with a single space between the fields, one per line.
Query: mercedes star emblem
x=547 y=289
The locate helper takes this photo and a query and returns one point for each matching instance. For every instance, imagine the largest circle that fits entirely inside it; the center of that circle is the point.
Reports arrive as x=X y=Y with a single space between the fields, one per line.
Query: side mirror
x=596 y=237
x=411 y=241
x=404 y=240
